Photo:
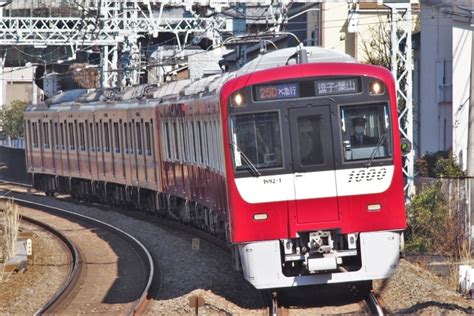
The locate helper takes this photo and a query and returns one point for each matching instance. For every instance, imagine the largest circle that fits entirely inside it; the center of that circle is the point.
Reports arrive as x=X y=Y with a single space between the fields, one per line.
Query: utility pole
x=470 y=147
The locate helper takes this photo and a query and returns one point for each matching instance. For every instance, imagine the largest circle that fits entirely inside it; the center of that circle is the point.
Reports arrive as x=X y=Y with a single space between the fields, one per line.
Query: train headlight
x=238 y=99
x=376 y=88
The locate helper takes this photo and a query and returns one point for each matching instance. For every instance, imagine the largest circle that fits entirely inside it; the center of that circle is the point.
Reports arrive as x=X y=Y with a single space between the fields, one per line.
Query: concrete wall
x=462 y=36
x=435 y=118
x=14 y=160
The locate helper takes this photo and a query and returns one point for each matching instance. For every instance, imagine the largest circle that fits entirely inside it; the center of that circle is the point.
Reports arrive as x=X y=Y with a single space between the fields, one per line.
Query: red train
x=295 y=159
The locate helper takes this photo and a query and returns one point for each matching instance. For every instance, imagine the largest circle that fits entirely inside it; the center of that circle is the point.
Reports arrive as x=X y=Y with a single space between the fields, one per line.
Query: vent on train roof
x=67 y=96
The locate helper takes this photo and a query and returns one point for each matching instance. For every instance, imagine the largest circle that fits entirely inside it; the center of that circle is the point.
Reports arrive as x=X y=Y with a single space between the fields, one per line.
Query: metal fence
x=13 y=143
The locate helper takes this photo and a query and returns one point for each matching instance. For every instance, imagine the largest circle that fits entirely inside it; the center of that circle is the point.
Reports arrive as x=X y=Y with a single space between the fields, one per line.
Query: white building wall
x=436 y=48
x=462 y=58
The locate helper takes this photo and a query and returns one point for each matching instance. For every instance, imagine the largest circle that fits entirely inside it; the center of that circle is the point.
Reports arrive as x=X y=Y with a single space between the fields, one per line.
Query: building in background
x=445 y=75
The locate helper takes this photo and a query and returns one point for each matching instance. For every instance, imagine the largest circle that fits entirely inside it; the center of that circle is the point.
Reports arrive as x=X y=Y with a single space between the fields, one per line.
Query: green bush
x=440 y=164
x=427 y=221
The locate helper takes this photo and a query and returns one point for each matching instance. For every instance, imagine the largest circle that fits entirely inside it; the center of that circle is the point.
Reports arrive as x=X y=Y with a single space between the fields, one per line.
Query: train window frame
x=194 y=149
x=56 y=133
x=61 y=131
x=71 y=142
x=138 y=134
x=200 y=147
x=98 y=136
x=377 y=160
x=82 y=140
x=116 y=129
x=126 y=138
x=29 y=139
x=91 y=136
x=175 y=139
x=148 y=139
x=106 y=135
x=153 y=153
x=184 y=141
x=282 y=136
x=35 y=134
x=87 y=135
x=46 y=142
x=51 y=130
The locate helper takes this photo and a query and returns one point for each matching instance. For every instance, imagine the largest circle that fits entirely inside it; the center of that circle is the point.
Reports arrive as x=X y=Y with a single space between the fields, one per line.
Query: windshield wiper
x=376 y=149
x=251 y=167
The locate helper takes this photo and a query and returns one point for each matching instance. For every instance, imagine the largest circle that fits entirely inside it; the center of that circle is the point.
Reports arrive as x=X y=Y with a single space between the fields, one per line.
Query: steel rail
x=74 y=273
x=141 y=303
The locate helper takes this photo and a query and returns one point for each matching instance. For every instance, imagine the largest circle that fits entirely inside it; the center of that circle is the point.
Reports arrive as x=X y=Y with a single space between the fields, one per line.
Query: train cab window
x=71 y=136
x=35 y=135
x=116 y=138
x=106 y=137
x=256 y=140
x=82 y=138
x=139 y=138
x=45 y=135
x=148 y=138
x=365 y=132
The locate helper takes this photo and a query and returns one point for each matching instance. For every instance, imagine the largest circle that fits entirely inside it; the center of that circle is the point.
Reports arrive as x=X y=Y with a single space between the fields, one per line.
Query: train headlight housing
x=238 y=99
x=376 y=88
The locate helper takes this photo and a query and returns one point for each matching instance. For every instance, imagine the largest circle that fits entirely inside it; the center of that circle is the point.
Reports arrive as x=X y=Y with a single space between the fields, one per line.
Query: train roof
x=183 y=89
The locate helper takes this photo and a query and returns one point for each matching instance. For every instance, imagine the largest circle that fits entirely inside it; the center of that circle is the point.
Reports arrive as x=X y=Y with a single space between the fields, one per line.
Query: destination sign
x=276 y=92
x=335 y=86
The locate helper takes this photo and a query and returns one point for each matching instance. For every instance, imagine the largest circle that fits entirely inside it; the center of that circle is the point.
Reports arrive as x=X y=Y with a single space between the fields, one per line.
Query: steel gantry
x=402 y=70
x=115 y=26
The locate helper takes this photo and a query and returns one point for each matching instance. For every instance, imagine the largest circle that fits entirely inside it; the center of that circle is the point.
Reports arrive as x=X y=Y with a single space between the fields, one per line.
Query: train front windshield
x=256 y=140
x=363 y=134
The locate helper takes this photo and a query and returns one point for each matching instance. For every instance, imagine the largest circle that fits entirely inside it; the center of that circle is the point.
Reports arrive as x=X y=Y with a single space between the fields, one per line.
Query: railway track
x=86 y=266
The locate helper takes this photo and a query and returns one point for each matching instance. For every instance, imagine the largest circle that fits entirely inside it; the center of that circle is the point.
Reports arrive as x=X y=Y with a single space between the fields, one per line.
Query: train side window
x=82 y=139
x=61 y=130
x=71 y=136
x=51 y=129
x=116 y=138
x=184 y=143
x=193 y=140
x=56 y=135
x=205 y=144
x=91 y=133
x=132 y=139
x=30 y=142
x=125 y=128
x=106 y=137
x=139 y=138
x=166 y=137
x=121 y=138
x=97 y=137
x=35 y=135
x=45 y=135
x=189 y=128
x=199 y=147
x=152 y=136
x=176 y=141
x=148 y=138
x=87 y=136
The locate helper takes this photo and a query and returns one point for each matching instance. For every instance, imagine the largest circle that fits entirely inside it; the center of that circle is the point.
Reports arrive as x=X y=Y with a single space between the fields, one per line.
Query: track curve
x=54 y=304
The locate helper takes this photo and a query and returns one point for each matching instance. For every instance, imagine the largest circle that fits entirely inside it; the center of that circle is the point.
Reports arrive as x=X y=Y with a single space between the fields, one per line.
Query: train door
x=313 y=164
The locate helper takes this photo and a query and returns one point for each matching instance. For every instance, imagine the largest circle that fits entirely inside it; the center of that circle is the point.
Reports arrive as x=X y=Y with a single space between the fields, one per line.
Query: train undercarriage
x=134 y=198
